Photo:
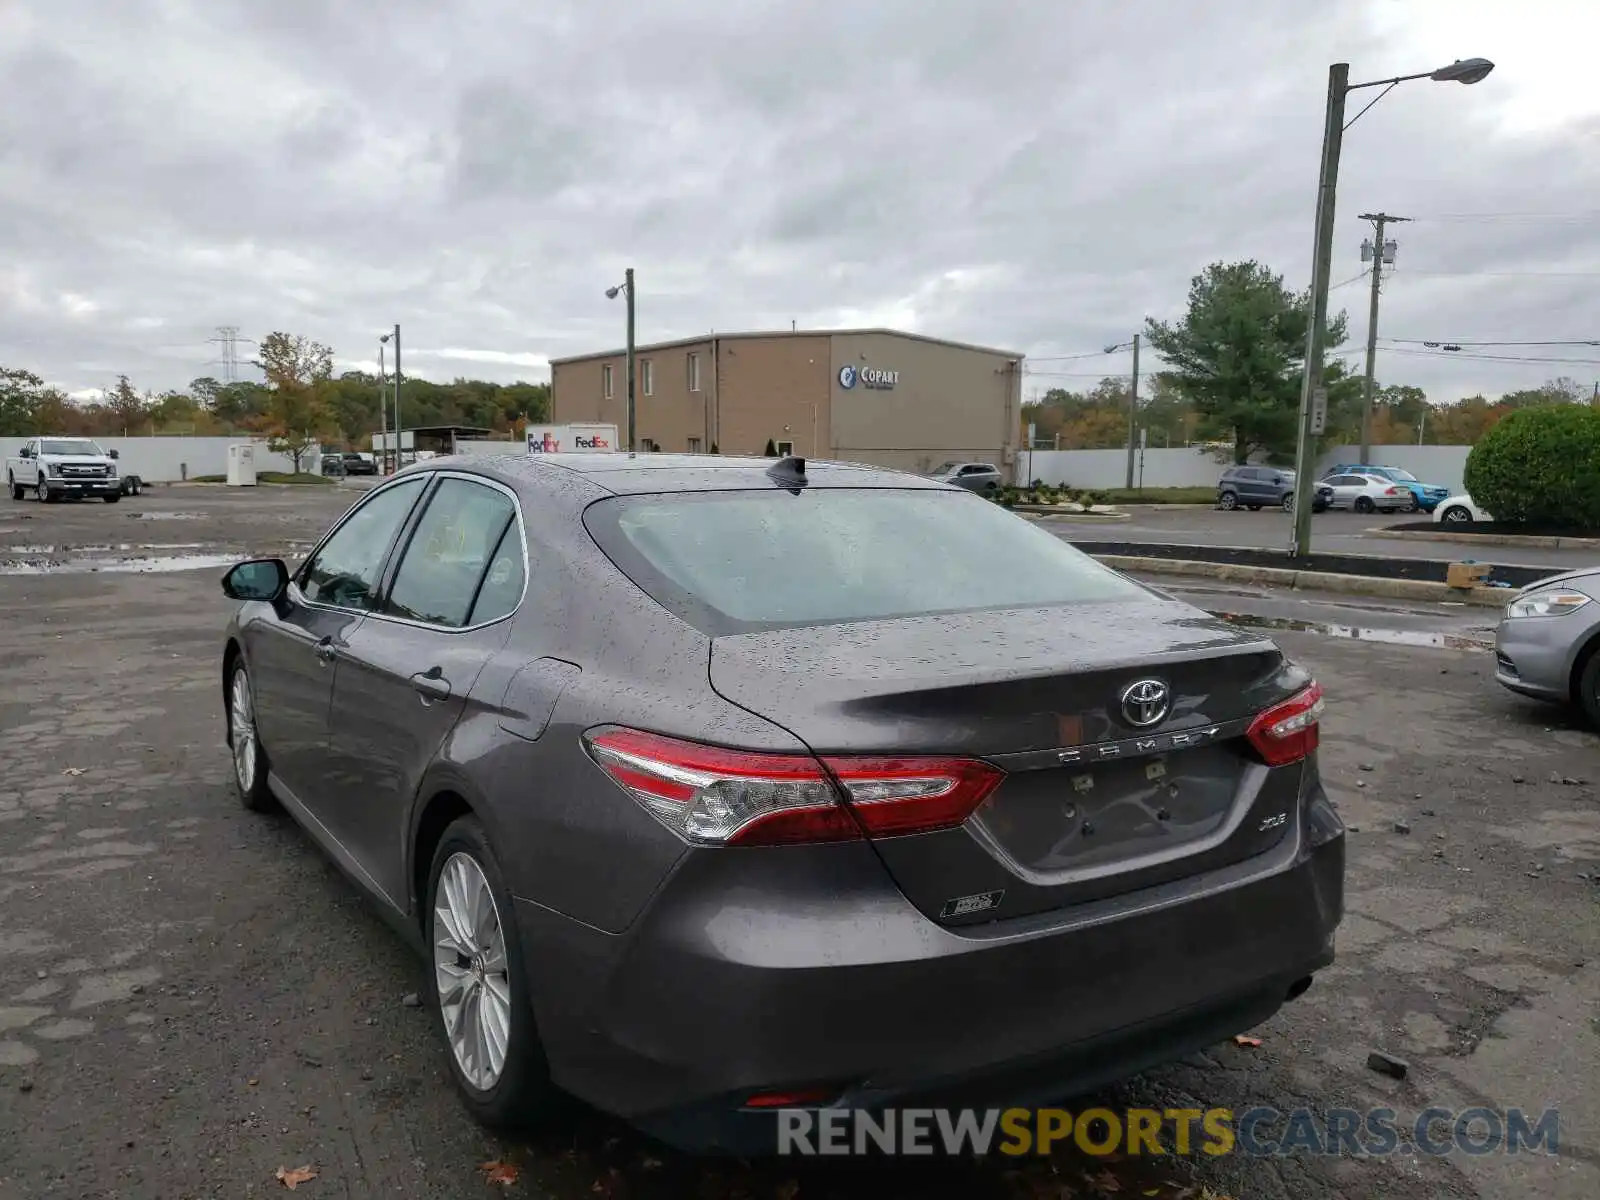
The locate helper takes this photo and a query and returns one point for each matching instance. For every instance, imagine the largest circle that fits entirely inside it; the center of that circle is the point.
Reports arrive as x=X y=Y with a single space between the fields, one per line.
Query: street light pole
x=1133 y=412
x=383 y=404
x=1471 y=70
x=398 y=461
x=626 y=288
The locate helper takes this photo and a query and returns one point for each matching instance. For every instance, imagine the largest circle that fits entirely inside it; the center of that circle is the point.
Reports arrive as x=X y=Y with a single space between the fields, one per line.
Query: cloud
x=1038 y=176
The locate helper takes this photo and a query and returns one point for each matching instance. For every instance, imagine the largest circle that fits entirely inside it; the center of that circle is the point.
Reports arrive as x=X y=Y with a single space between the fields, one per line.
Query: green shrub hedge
x=1540 y=466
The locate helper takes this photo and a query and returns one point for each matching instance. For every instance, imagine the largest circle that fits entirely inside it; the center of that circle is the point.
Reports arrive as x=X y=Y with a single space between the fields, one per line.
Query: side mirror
x=114 y=454
x=25 y=453
x=260 y=579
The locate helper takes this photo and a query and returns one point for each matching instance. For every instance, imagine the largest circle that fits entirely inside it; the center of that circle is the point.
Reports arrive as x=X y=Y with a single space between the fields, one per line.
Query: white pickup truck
x=55 y=467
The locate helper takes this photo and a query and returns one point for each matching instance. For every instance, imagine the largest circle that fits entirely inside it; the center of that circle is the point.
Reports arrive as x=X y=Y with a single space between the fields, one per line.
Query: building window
x=605 y=381
x=694 y=445
x=647 y=376
x=785 y=449
x=694 y=372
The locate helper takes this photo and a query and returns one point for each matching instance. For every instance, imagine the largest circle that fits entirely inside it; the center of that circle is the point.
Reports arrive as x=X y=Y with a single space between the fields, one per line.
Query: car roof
x=637 y=474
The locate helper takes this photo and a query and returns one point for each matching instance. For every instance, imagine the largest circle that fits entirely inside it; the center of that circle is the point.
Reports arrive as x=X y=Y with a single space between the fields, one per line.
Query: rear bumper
x=758 y=972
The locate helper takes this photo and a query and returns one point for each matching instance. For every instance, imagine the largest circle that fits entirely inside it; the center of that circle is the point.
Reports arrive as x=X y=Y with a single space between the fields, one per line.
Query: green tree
x=125 y=408
x=297 y=371
x=1555 y=391
x=19 y=397
x=1237 y=355
x=1537 y=466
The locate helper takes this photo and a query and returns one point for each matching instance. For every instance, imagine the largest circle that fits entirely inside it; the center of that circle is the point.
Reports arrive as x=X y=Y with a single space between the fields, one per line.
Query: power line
x=1589 y=214
x=1443 y=342
x=1471 y=357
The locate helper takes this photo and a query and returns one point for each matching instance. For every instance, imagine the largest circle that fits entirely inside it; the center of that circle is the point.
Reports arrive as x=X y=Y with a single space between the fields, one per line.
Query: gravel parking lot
x=191 y=997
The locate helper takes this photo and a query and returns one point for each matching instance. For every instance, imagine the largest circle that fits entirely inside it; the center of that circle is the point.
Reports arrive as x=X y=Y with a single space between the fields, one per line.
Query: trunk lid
x=1094 y=803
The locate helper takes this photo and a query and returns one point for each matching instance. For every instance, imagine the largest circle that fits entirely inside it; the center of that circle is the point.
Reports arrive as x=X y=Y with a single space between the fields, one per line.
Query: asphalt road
x=192 y=998
x=1331 y=533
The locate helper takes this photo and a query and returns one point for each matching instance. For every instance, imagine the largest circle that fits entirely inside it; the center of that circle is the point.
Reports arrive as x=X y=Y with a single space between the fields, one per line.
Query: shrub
x=1540 y=466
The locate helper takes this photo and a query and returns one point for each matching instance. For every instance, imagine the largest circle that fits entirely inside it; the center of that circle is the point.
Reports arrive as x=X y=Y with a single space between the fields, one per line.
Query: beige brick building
x=862 y=395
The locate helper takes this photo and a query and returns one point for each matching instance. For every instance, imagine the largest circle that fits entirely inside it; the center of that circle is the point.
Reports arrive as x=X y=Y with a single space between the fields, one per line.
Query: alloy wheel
x=471 y=971
x=242 y=722
x=41 y=490
x=1457 y=516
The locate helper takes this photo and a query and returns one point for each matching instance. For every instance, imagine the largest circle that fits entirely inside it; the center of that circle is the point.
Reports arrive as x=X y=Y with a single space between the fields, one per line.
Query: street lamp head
x=611 y=293
x=383 y=337
x=1464 y=70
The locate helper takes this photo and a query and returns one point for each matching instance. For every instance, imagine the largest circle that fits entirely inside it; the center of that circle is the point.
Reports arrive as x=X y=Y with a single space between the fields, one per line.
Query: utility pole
x=1133 y=412
x=1380 y=252
x=1316 y=333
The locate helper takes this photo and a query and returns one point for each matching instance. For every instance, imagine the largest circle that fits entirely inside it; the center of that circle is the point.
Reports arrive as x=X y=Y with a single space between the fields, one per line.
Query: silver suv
x=976 y=477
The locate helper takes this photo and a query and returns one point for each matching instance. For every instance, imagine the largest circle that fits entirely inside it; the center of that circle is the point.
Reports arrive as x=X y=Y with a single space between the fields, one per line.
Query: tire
x=112 y=498
x=1364 y=504
x=17 y=490
x=249 y=764
x=1287 y=503
x=1588 y=688
x=520 y=1093
x=1413 y=504
x=1456 y=515
x=1228 y=501
x=41 y=492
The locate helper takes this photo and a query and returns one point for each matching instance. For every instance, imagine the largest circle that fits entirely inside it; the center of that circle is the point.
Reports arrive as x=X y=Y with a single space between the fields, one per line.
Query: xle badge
x=965 y=906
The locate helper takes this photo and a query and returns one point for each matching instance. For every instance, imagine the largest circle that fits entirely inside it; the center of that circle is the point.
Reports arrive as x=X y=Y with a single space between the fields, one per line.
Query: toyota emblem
x=1145 y=702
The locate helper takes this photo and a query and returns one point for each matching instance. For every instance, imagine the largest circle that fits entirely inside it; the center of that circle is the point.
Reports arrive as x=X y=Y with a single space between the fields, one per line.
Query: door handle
x=325 y=650
x=431 y=685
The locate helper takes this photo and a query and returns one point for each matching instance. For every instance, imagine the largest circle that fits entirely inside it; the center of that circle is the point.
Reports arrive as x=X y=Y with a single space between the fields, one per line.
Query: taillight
x=1288 y=732
x=720 y=797
x=1392 y=492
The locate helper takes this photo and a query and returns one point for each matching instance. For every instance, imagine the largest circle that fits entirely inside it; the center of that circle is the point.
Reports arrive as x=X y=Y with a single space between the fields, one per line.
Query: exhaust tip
x=1298 y=988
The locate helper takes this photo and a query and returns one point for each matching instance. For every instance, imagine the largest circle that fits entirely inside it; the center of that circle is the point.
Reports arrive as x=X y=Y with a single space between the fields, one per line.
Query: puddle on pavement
x=1391 y=637
x=151 y=564
x=165 y=516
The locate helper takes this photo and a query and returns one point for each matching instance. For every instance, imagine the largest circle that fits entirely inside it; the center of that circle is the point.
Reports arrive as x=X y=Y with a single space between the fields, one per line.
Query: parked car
x=1366 y=493
x=975 y=477
x=356 y=463
x=1459 y=509
x=1256 y=488
x=776 y=784
x=1425 y=496
x=1548 y=642
x=60 y=468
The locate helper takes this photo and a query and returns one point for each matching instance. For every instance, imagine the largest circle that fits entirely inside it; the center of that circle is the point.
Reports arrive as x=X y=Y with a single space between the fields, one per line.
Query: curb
x=1531 y=540
x=1044 y=510
x=1324 y=581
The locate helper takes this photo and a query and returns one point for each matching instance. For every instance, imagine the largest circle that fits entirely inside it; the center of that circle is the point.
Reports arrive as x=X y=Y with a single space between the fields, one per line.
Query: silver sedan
x=1548 y=643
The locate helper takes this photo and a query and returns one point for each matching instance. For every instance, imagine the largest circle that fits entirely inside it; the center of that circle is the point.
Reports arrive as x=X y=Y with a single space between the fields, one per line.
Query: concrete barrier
x=1320 y=581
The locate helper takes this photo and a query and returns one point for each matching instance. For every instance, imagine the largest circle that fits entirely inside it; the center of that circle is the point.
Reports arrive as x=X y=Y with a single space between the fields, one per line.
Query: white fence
x=170 y=459
x=1193 y=467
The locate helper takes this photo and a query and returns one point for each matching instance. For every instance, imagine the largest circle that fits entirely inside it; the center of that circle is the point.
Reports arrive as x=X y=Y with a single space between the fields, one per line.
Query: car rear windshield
x=744 y=562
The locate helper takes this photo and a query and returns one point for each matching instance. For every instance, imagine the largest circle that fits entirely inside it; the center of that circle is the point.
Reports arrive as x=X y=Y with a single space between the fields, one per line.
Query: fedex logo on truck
x=584 y=439
x=543 y=441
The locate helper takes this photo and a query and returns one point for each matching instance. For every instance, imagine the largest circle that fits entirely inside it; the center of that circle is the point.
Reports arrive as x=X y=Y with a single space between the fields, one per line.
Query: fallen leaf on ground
x=503 y=1173
x=293 y=1177
x=1244 y=1039
x=1107 y=1182
x=73 y=771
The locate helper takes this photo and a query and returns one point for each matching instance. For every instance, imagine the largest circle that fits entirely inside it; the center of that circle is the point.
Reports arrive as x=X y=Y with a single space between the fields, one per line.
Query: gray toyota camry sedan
x=715 y=786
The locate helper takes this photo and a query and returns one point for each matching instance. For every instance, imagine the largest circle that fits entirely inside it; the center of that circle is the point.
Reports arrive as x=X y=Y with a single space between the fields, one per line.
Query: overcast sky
x=1035 y=175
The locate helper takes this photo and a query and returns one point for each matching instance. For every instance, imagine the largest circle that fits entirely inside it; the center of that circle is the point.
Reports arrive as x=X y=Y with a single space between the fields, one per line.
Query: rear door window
x=451 y=553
